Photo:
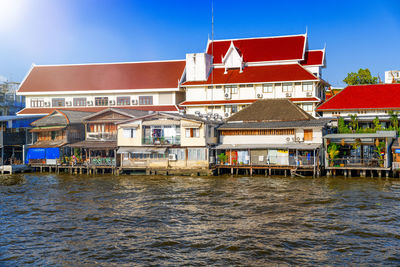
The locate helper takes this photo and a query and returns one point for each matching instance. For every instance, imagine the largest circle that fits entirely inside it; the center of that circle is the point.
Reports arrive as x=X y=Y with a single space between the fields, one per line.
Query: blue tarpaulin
x=42 y=153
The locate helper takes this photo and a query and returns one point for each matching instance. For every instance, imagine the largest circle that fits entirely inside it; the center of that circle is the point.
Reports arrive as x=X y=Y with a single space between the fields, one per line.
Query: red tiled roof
x=313 y=57
x=262 y=49
x=373 y=96
x=29 y=111
x=244 y=101
x=260 y=74
x=93 y=77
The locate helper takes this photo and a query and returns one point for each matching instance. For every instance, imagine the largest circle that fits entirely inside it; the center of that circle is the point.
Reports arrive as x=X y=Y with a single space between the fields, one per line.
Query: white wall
x=197 y=66
x=91 y=97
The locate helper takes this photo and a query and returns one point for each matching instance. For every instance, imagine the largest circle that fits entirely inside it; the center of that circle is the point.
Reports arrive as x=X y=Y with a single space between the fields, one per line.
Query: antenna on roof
x=306 y=30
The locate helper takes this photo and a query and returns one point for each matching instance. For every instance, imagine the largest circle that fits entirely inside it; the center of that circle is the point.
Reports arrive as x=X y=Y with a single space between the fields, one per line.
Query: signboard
x=397 y=151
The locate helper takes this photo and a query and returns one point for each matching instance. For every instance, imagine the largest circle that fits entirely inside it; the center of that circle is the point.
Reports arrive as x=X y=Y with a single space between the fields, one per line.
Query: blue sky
x=357 y=34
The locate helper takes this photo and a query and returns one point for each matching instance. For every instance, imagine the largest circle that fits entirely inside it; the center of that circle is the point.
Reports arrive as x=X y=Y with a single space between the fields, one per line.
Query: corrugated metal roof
x=273 y=125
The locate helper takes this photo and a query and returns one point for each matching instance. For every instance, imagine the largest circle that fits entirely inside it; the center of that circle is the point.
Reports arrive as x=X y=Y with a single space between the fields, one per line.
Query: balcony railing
x=103 y=161
x=395 y=165
x=101 y=136
x=356 y=162
x=176 y=140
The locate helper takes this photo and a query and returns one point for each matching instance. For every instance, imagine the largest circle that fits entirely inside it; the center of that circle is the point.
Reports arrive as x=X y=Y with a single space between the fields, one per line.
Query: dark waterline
x=141 y=220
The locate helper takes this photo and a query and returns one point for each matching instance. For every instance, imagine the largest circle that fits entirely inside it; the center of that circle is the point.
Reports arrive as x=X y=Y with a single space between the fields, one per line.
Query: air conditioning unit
x=227 y=96
x=172 y=157
x=90 y=103
x=227 y=114
x=112 y=102
x=68 y=103
x=309 y=94
x=134 y=102
x=259 y=95
x=288 y=94
x=47 y=104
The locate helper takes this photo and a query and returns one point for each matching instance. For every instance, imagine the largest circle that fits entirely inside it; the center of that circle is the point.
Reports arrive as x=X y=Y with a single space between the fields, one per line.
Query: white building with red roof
x=236 y=72
x=152 y=85
x=365 y=101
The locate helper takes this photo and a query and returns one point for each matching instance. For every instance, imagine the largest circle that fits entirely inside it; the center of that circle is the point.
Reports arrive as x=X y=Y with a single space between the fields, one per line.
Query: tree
x=377 y=124
x=354 y=122
x=394 y=119
x=363 y=76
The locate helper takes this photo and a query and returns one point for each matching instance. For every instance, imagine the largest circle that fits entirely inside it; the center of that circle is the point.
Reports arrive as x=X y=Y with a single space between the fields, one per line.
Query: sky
x=357 y=34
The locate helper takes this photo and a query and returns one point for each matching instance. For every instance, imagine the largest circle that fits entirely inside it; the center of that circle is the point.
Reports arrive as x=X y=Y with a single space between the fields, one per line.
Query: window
x=129 y=133
x=53 y=135
x=123 y=100
x=209 y=87
x=234 y=108
x=249 y=85
x=196 y=154
x=228 y=108
x=218 y=86
x=179 y=152
x=308 y=135
x=287 y=87
x=192 y=132
x=267 y=88
x=145 y=100
x=80 y=102
x=217 y=107
x=231 y=89
x=242 y=85
x=36 y=103
x=307 y=87
x=308 y=107
x=58 y=102
x=101 y=101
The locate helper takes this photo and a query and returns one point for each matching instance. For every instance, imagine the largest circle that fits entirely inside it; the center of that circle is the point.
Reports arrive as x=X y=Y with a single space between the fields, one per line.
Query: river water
x=143 y=220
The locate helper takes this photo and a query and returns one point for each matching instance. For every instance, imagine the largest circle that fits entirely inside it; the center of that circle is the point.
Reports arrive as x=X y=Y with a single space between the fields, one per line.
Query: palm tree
x=333 y=152
x=394 y=120
x=354 y=122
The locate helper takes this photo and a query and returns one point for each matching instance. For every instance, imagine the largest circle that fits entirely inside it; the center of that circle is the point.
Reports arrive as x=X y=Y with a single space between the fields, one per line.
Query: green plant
x=363 y=76
x=380 y=150
x=377 y=124
x=333 y=152
x=222 y=158
x=356 y=144
x=354 y=122
x=394 y=120
x=342 y=127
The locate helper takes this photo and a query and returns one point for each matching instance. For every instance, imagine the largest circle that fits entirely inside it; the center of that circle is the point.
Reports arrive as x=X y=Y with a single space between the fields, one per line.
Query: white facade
x=392 y=76
x=198 y=66
x=304 y=89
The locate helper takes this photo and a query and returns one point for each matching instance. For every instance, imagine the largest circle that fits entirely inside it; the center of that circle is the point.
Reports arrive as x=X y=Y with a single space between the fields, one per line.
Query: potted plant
x=380 y=150
x=333 y=152
x=222 y=158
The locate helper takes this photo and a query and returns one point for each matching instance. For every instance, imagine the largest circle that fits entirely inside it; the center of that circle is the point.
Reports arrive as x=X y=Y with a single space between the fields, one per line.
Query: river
x=63 y=220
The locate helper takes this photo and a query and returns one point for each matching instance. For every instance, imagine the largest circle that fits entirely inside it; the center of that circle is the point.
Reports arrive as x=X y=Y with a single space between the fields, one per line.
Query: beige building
x=167 y=141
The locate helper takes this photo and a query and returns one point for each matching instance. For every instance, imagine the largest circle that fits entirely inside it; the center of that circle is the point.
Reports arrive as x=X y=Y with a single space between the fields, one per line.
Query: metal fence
x=176 y=140
x=356 y=162
x=103 y=161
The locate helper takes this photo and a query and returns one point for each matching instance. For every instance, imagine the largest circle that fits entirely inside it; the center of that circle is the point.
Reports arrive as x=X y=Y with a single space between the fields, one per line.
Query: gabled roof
x=108 y=76
x=126 y=112
x=169 y=108
x=61 y=118
x=262 y=49
x=313 y=58
x=270 y=110
x=259 y=74
x=373 y=96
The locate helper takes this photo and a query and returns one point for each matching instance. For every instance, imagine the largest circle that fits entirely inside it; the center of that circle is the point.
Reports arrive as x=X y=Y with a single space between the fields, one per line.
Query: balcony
x=357 y=162
x=101 y=136
x=100 y=161
x=175 y=140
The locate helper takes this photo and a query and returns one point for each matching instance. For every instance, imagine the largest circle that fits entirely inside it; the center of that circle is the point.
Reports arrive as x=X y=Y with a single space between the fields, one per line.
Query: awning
x=100 y=145
x=191 y=125
x=299 y=146
x=134 y=125
x=161 y=122
x=142 y=150
x=46 y=129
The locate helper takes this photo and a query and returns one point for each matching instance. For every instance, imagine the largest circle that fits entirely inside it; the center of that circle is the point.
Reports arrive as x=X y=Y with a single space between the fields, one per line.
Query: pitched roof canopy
x=373 y=96
x=261 y=49
x=113 y=76
x=268 y=110
x=313 y=58
x=261 y=74
x=61 y=118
